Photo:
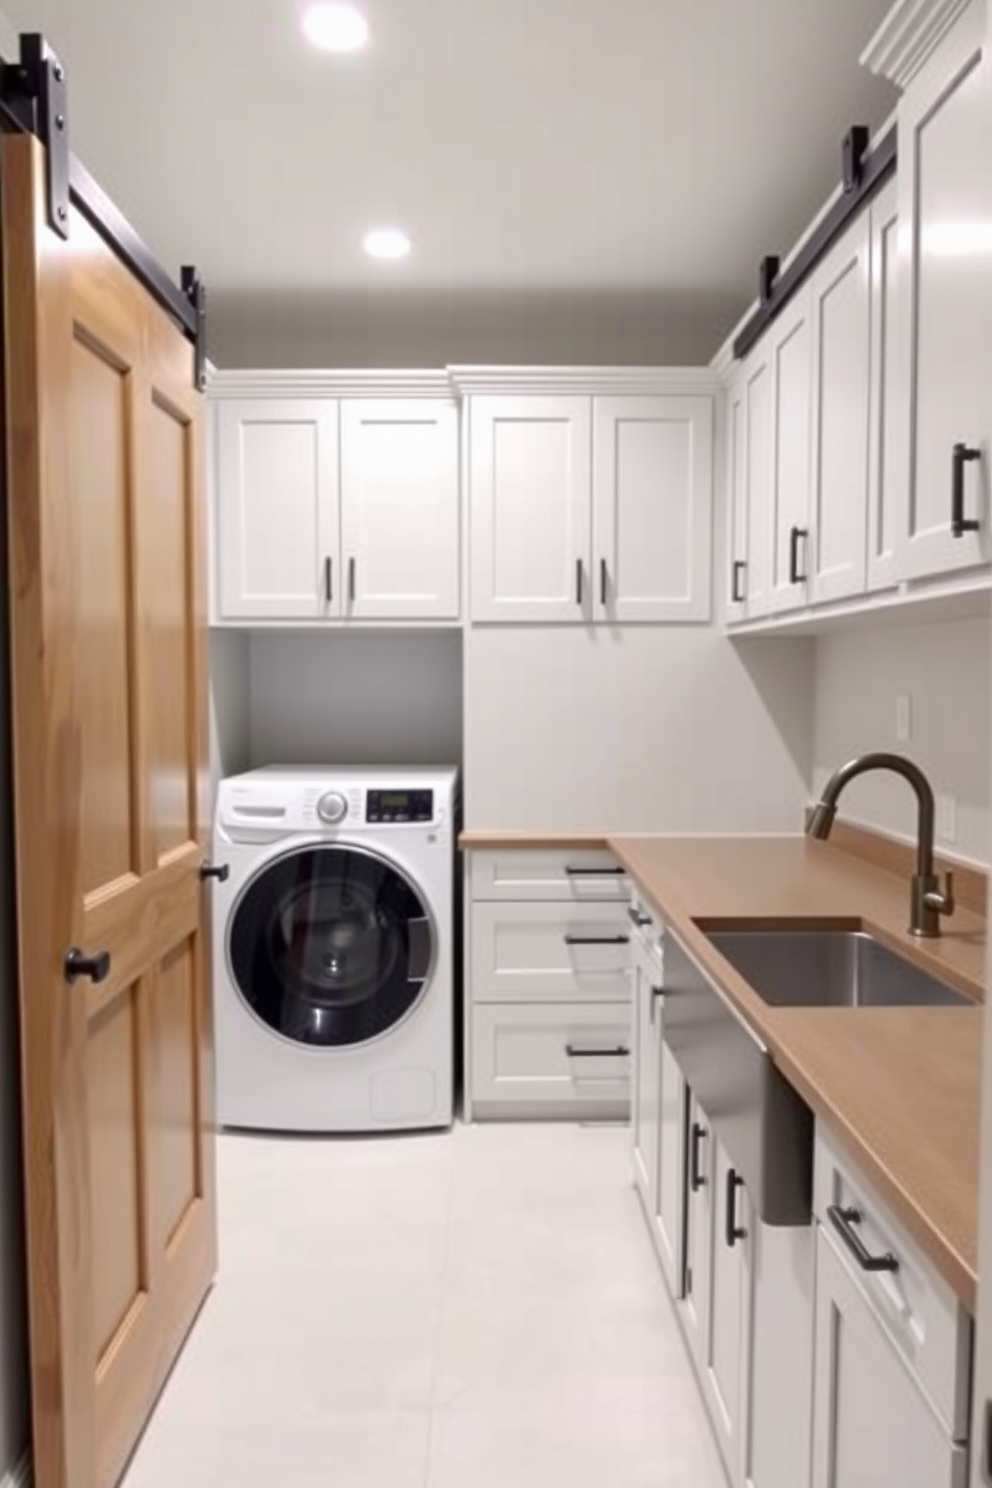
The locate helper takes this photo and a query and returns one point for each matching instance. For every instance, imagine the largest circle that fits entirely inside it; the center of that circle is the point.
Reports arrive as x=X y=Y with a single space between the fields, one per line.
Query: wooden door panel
x=111 y=815
x=115 y=1080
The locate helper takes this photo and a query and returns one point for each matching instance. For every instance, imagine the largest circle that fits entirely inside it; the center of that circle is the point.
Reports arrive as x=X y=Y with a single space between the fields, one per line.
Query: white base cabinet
x=547 y=987
x=777 y=1378
x=872 y=1427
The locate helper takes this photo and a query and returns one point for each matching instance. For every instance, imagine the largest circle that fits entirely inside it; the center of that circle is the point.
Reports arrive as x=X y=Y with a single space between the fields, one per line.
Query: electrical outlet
x=904 y=718
x=947 y=818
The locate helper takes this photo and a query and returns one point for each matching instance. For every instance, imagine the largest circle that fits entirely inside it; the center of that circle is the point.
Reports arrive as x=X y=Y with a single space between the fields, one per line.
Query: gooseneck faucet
x=929 y=900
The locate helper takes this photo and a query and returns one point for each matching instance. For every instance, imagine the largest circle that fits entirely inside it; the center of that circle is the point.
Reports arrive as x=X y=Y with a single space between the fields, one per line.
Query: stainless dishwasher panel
x=765 y=1126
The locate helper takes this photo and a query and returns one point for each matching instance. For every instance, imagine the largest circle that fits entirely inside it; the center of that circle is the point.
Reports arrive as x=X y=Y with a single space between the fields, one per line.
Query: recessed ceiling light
x=335 y=28
x=386 y=242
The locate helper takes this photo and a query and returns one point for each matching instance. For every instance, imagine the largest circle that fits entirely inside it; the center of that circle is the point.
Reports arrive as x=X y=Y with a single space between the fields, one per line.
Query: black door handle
x=733 y=1231
x=603 y=581
x=351 y=581
x=578 y=582
x=696 y=1179
x=960 y=524
x=220 y=871
x=842 y=1219
x=796 y=533
x=575 y=940
x=78 y=964
x=329 y=579
x=736 y=593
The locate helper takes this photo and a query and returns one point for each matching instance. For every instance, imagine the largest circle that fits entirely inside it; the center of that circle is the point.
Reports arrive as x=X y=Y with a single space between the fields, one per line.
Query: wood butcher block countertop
x=898 y=1087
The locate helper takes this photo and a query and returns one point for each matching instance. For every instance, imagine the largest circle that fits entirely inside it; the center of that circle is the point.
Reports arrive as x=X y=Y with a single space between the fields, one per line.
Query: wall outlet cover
x=947 y=818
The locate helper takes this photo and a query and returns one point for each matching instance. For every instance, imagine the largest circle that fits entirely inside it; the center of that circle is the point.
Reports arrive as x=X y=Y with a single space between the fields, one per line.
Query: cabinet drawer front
x=542 y=952
x=545 y=875
x=915 y=1306
x=555 y=1055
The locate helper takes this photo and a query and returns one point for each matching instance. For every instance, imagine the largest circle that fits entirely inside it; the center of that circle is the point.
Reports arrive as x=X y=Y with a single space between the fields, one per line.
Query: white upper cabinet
x=759 y=472
x=792 y=374
x=945 y=217
x=531 y=508
x=737 y=530
x=399 y=509
x=277 y=509
x=885 y=504
x=653 y=482
x=841 y=292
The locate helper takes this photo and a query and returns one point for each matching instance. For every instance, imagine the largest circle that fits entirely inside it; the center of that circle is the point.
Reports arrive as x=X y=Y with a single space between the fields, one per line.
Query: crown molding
x=330 y=383
x=603 y=381
x=908 y=36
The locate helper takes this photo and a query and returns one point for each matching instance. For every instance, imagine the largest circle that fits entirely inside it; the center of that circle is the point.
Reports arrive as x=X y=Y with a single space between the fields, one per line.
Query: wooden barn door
x=111 y=796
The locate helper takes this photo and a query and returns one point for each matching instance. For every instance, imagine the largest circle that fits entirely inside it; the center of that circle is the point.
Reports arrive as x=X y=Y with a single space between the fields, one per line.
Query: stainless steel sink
x=830 y=968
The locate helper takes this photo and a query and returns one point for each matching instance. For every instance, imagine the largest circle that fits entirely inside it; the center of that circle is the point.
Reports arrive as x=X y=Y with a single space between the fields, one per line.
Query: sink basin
x=830 y=968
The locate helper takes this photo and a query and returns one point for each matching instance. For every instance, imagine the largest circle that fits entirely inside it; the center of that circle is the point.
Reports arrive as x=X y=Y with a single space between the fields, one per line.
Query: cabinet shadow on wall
x=782 y=673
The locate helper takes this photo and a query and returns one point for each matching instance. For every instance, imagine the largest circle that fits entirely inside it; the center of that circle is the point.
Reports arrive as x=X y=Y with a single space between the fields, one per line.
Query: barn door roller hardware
x=33 y=100
x=862 y=173
x=34 y=91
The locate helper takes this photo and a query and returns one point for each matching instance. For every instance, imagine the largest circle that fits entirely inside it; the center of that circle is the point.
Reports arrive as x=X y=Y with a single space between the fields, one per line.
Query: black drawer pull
x=733 y=1232
x=696 y=1179
x=795 y=577
x=78 y=964
x=842 y=1219
x=737 y=594
x=594 y=872
x=960 y=524
x=616 y=1051
x=576 y=940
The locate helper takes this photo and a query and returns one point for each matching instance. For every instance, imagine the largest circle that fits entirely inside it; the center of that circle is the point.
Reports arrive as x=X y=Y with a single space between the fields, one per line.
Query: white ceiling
x=534 y=146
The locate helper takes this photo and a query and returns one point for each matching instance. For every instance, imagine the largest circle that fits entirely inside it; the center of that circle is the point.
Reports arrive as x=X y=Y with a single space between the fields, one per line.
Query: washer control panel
x=399 y=806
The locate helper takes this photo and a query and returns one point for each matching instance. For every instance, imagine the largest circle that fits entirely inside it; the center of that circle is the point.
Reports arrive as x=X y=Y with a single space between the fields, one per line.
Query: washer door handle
x=421 y=948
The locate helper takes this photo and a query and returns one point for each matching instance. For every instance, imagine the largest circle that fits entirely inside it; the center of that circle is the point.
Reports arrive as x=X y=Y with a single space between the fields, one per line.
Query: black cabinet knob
x=78 y=964
x=220 y=871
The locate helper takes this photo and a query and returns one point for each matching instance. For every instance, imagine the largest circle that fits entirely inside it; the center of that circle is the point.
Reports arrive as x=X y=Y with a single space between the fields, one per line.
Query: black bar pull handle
x=220 y=871
x=77 y=964
x=842 y=1220
x=737 y=593
x=329 y=580
x=351 y=581
x=796 y=534
x=604 y=579
x=696 y=1179
x=594 y=872
x=960 y=524
x=638 y=919
x=733 y=1231
x=576 y=940
x=578 y=582
x=615 y=1051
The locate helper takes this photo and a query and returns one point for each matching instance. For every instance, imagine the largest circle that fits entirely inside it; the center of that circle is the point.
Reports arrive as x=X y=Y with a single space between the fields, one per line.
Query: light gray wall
x=944 y=668
x=230 y=694
x=395 y=329
x=356 y=697
x=652 y=729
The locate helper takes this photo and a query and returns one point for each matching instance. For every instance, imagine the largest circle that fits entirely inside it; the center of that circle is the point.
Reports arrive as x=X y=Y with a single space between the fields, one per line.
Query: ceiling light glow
x=335 y=28
x=386 y=242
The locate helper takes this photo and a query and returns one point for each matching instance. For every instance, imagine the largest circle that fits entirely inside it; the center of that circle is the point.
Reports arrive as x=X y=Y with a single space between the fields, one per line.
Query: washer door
x=330 y=946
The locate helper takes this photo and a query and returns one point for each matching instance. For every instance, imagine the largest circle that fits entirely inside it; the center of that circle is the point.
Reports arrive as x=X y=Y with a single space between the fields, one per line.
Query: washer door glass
x=330 y=946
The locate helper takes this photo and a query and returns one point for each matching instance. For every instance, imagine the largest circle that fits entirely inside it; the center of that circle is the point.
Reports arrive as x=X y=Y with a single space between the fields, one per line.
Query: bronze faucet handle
x=942 y=900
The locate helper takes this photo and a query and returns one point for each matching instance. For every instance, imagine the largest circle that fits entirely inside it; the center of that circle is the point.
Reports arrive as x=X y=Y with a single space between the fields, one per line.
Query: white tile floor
x=474 y=1309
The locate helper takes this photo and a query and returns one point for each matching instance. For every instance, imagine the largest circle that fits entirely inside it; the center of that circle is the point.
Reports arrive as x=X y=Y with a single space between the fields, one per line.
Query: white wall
x=356 y=697
x=230 y=695
x=653 y=729
x=944 y=668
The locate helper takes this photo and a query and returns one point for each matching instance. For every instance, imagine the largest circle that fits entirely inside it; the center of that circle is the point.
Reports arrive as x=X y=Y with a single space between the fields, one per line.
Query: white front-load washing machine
x=334 y=949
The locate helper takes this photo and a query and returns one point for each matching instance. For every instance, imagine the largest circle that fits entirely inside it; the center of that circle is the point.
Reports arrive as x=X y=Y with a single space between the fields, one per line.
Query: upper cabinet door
x=884 y=504
x=653 y=485
x=945 y=215
x=841 y=346
x=759 y=473
x=792 y=369
x=531 y=506
x=277 y=509
x=735 y=589
x=399 y=509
